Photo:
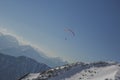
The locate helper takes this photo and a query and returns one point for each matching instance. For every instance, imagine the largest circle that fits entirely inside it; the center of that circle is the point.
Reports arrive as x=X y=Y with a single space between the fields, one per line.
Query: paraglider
x=70 y=31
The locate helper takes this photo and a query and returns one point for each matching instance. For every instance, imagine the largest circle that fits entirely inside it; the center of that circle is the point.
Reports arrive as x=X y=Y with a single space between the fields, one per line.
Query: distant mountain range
x=10 y=45
x=12 y=68
x=79 y=71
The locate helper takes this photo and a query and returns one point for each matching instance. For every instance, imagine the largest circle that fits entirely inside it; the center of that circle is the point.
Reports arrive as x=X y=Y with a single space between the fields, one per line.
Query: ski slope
x=80 y=71
x=103 y=73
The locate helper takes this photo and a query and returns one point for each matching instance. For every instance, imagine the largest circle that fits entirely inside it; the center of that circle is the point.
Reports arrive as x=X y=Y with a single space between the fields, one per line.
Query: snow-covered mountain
x=80 y=71
x=12 y=68
x=11 y=45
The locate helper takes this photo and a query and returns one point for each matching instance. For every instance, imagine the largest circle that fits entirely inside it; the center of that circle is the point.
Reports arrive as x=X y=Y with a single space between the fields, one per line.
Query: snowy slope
x=96 y=74
x=80 y=71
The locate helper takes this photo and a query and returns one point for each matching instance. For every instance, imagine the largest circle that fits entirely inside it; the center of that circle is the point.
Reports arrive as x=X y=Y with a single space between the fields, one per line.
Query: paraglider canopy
x=70 y=31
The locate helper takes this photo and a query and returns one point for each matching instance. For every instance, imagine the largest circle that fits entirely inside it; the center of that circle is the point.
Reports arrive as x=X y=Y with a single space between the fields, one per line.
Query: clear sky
x=96 y=24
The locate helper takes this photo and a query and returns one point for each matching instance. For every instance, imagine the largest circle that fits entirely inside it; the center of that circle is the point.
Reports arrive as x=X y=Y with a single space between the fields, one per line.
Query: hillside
x=80 y=71
x=12 y=68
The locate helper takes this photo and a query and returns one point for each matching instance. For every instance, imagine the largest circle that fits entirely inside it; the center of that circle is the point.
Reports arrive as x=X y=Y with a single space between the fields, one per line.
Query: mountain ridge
x=12 y=46
x=12 y=68
x=80 y=71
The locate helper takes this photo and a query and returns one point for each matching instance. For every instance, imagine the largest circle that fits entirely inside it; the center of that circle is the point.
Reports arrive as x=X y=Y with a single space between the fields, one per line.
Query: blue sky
x=96 y=24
